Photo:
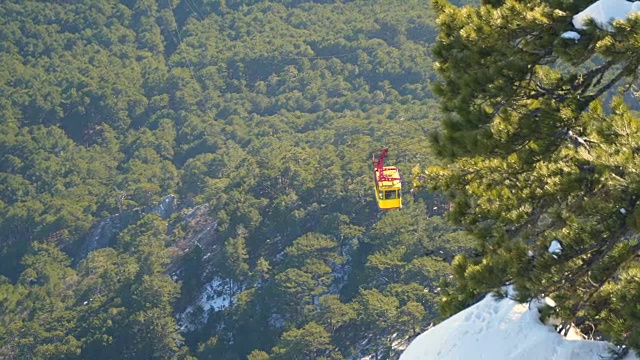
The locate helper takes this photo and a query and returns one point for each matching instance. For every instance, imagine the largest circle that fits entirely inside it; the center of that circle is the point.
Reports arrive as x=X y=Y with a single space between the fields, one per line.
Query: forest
x=192 y=179
x=254 y=122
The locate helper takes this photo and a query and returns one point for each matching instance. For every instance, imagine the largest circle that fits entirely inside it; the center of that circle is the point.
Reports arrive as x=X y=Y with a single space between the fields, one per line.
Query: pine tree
x=535 y=151
x=332 y=313
x=310 y=342
x=258 y=355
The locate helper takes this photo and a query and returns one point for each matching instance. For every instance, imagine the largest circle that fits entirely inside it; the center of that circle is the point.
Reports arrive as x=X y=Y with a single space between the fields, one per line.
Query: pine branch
x=614 y=270
x=587 y=79
x=590 y=98
x=608 y=244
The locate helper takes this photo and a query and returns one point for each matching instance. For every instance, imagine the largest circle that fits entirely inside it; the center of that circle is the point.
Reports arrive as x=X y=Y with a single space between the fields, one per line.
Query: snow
x=502 y=329
x=571 y=35
x=214 y=297
x=604 y=12
x=555 y=247
x=166 y=207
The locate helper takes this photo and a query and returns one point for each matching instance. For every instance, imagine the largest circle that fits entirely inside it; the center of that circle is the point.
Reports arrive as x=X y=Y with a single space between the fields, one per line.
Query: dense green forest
x=192 y=178
x=252 y=123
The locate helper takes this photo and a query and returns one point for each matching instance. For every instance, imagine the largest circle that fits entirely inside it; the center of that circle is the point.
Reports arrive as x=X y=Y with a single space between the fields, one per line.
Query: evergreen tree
x=235 y=254
x=535 y=152
x=376 y=314
x=332 y=313
x=310 y=342
x=258 y=355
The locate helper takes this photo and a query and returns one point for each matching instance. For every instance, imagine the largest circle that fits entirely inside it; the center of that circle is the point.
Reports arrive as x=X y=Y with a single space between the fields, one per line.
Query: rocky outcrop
x=104 y=233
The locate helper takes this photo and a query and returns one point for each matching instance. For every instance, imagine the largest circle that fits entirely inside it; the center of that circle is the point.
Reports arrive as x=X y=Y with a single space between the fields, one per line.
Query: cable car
x=388 y=184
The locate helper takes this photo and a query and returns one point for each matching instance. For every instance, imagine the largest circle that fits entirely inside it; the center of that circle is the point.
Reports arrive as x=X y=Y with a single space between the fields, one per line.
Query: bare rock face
x=104 y=233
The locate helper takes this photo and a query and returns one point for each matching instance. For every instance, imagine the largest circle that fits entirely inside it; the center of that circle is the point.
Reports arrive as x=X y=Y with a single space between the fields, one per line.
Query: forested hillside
x=254 y=123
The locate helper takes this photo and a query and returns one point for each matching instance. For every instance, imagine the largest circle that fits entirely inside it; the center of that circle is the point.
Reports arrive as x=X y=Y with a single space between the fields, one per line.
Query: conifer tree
x=310 y=342
x=536 y=152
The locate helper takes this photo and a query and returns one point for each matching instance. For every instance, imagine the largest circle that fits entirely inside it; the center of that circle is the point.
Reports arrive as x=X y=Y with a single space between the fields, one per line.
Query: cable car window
x=390 y=194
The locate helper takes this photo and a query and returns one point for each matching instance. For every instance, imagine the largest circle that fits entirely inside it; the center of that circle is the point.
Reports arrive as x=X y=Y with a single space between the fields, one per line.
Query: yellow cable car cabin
x=388 y=183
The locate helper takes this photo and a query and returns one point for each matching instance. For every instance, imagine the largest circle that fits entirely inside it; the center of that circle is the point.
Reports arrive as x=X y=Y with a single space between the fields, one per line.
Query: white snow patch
x=549 y=301
x=570 y=35
x=604 y=12
x=214 y=297
x=505 y=330
x=166 y=206
x=555 y=247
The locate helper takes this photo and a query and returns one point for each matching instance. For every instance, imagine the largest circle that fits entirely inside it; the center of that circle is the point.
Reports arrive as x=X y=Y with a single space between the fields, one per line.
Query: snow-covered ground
x=502 y=329
x=215 y=297
x=604 y=12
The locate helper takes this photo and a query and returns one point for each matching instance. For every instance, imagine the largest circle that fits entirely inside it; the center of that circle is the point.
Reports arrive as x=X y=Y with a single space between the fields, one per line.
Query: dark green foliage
x=261 y=118
x=540 y=144
x=310 y=342
x=106 y=307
